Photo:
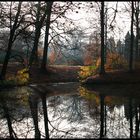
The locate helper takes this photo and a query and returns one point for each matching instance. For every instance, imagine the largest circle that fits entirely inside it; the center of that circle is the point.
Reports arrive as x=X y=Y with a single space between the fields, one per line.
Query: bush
x=86 y=71
x=21 y=78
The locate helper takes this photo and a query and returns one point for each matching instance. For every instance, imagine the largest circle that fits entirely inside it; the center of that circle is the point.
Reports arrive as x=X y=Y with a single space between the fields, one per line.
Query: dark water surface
x=68 y=110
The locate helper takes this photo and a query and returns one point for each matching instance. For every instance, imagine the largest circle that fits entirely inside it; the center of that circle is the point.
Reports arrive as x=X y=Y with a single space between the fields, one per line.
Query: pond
x=68 y=110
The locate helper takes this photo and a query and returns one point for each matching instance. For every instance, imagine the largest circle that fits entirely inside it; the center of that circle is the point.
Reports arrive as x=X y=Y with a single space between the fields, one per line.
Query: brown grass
x=61 y=73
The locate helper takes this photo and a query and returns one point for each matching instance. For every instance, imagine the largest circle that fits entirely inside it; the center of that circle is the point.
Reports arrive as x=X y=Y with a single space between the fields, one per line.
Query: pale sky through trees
x=121 y=23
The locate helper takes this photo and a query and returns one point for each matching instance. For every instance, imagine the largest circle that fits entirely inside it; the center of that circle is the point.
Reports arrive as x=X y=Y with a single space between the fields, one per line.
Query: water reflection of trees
x=21 y=113
x=90 y=115
x=34 y=108
x=7 y=116
x=14 y=114
x=132 y=113
x=66 y=108
x=119 y=116
x=34 y=112
x=70 y=105
x=109 y=117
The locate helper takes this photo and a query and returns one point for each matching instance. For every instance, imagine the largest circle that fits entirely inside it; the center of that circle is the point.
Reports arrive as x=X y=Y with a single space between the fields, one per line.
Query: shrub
x=86 y=71
x=21 y=78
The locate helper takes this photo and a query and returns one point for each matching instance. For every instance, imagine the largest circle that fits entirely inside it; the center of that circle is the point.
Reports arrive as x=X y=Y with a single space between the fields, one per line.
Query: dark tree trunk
x=102 y=70
x=132 y=41
x=34 y=54
x=137 y=28
x=44 y=60
x=137 y=40
x=39 y=24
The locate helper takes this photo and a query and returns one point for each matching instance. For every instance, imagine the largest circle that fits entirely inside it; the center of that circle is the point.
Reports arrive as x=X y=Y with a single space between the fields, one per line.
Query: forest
x=40 y=35
x=45 y=45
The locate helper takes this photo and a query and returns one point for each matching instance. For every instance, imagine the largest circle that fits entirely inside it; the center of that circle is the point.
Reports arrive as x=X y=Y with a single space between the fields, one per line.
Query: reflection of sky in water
x=70 y=116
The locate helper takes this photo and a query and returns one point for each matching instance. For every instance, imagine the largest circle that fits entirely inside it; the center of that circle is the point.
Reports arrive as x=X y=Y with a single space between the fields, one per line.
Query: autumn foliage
x=113 y=61
x=86 y=71
x=21 y=77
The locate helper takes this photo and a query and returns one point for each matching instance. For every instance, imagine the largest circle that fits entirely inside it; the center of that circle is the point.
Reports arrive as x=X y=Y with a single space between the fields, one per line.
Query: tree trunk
x=44 y=60
x=102 y=70
x=39 y=24
x=137 y=29
x=34 y=54
x=132 y=41
x=137 y=39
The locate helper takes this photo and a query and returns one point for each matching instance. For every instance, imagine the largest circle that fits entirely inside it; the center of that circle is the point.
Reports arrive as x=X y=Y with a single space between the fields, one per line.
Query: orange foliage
x=113 y=61
x=88 y=60
x=52 y=57
x=40 y=52
x=91 y=54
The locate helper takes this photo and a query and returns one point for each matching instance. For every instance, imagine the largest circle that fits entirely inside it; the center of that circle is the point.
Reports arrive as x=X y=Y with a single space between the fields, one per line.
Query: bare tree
x=38 y=26
x=44 y=60
x=136 y=13
x=132 y=39
x=102 y=70
x=13 y=29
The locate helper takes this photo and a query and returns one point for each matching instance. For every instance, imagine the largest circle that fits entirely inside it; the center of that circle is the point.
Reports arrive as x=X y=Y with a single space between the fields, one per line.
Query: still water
x=68 y=110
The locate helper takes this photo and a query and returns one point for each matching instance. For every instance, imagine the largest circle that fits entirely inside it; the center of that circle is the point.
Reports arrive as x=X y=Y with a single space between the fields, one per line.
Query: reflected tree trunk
x=7 y=116
x=131 y=117
x=136 y=121
x=43 y=98
x=139 y=118
x=105 y=119
x=34 y=111
x=102 y=116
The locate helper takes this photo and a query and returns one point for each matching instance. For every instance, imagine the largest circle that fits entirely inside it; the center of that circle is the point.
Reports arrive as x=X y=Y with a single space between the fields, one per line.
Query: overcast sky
x=121 y=23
